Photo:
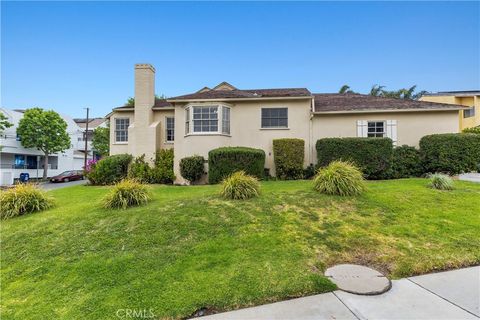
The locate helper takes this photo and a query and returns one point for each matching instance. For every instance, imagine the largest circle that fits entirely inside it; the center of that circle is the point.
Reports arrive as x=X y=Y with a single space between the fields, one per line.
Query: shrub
x=224 y=161
x=406 y=162
x=23 y=199
x=309 y=172
x=240 y=186
x=110 y=170
x=451 y=152
x=339 y=178
x=372 y=155
x=441 y=182
x=288 y=156
x=140 y=170
x=472 y=130
x=126 y=193
x=163 y=169
x=192 y=168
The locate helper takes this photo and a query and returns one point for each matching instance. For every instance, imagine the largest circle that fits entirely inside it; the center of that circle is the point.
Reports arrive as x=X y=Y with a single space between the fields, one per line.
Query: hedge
x=192 y=168
x=406 y=162
x=451 y=153
x=163 y=167
x=110 y=170
x=372 y=155
x=224 y=161
x=288 y=157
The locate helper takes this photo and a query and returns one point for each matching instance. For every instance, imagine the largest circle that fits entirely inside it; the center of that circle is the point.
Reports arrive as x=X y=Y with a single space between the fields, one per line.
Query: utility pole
x=86 y=141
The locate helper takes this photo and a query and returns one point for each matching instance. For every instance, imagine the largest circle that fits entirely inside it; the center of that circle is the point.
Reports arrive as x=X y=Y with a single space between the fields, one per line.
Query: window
x=376 y=129
x=274 y=117
x=469 y=112
x=169 y=129
x=121 y=129
x=205 y=119
x=19 y=161
x=226 y=120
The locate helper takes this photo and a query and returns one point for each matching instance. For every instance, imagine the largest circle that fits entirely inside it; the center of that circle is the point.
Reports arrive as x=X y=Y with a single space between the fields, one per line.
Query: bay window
x=207 y=119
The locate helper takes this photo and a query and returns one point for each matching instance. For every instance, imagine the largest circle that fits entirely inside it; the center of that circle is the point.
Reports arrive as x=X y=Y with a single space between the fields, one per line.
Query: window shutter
x=362 y=128
x=392 y=130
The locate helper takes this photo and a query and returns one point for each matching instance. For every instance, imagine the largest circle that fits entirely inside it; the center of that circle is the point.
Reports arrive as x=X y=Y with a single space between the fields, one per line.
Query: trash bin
x=24 y=177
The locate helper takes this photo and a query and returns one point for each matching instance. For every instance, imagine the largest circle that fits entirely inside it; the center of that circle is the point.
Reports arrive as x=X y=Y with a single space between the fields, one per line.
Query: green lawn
x=189 y=249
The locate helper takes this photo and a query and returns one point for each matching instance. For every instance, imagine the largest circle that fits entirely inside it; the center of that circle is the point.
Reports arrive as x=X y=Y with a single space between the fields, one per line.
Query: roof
x=159 y=103
x=92 y=122
x=243 y=94
x=464 y=93
x=351 y=102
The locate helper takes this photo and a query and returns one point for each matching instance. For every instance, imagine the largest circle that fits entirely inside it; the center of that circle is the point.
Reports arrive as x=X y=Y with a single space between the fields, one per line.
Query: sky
x=67 y=56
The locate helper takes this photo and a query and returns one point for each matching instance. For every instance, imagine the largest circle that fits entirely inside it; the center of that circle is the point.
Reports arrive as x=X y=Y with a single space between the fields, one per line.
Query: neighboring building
x=15 y=159
x=468 y=117
x=226 y=116
x=93 y=123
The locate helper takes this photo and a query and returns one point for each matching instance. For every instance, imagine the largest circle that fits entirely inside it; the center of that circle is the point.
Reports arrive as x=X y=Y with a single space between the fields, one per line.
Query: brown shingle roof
x=331 y=102
x=245 y=94
x=159 y=103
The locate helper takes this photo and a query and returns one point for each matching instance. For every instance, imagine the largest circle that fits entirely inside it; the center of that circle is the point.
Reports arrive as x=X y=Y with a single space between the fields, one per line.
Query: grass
x=189 y=249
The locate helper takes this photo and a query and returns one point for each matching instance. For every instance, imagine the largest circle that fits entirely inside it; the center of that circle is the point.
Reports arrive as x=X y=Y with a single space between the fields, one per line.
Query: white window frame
x=273 y=128
x=375 y=133
x=126 y=130
x=469 y=113
x=190 y=121
x=166 y=129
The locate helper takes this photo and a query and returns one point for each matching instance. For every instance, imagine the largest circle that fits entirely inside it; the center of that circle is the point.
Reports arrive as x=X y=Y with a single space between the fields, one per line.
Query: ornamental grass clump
x=126 y=193
x=240 y=186
x=441 y=181
x=23 y=199
x=339 y=178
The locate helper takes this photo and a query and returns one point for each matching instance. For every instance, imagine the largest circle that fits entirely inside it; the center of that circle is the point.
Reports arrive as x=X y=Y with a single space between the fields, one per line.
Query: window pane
x=274 y=118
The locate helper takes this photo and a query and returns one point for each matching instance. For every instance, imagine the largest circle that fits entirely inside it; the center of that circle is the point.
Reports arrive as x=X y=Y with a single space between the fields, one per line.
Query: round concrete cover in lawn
x=358 y=279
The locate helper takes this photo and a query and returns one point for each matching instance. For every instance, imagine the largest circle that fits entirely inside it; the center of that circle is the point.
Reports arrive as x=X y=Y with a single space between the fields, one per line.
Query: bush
x=309 y=172
x=224 y=161
x=451 y=152
x=288 y=157
x=110 y=170
x=339 y=178
x=406 y=162
x=140 y=170
x=441 y=182
x=23 y=199
x=372 y=155
x=126 y=193
x=475 y=130
x=163 y=170
x=192 y=168
x=240 y=186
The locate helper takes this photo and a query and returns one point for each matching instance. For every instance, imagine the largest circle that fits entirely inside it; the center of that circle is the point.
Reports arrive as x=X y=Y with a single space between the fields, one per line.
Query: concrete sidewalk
x=445 y=295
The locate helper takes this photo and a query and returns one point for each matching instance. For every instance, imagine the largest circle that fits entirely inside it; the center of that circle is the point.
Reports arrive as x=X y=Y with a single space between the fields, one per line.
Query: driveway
x=444 y=295
x=59 y=185
x=472 y=177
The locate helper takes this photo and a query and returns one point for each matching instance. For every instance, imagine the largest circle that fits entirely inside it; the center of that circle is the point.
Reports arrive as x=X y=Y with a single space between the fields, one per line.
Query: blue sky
x=68 y=55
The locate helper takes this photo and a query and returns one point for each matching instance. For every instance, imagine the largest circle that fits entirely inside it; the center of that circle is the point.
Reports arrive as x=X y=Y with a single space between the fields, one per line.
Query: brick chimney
x=144 y=129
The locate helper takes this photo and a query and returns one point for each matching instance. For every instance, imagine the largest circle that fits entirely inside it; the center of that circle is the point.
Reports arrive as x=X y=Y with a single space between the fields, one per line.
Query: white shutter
x=362 y=128
x=392 y=130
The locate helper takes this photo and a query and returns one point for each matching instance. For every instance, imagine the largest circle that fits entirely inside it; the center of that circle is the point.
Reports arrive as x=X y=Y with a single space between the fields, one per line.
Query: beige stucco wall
x=245 y=130
x=472 y=101
x=136 y=145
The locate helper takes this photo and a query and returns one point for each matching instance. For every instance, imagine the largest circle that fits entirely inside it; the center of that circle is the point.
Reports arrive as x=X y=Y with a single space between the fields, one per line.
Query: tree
x=404 y=93
x=377 y=91
x=44 y=130
x=345 y=89
x=131 y=101
x=4 y=123
x=101 y=141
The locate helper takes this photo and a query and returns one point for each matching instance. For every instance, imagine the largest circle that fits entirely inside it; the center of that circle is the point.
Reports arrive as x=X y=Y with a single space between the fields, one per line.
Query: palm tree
x=377 y=91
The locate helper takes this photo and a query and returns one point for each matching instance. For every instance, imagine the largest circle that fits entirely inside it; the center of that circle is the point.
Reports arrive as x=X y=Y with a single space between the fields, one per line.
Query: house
x=93 y=123
x=227 y=116
x=468 y=117
x=15 y=159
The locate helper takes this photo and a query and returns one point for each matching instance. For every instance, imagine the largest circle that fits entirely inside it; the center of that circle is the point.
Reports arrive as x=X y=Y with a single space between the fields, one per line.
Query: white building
x=15 y=159
x=93 y=123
